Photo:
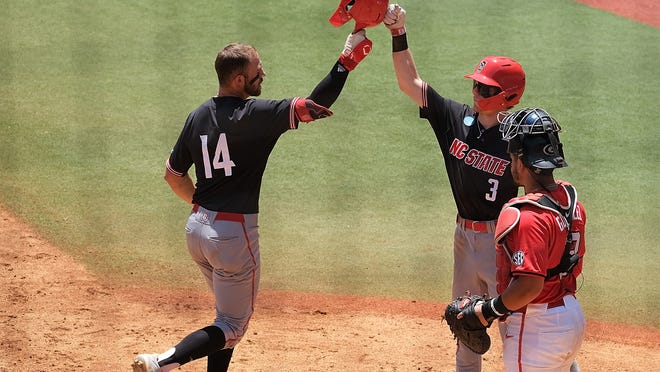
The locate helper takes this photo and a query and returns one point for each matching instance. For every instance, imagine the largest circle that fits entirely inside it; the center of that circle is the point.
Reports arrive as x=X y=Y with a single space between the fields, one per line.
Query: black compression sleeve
x=196 y=345
x=328 y=89
x=219 y=361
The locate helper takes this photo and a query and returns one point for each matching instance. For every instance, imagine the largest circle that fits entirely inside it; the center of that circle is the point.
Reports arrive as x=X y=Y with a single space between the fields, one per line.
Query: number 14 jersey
x=229 y=139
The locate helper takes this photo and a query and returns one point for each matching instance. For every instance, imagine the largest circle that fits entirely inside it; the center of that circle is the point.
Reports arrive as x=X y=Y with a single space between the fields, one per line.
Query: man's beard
x=253 y=89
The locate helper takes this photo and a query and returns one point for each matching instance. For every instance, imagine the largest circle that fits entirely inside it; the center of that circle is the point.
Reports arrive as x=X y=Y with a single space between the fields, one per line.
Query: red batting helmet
x=504 y=73
x=366 y=13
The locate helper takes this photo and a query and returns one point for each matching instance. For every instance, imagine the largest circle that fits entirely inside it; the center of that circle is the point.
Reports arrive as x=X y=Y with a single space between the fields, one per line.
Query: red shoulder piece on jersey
x=507 y=220
x=510 y=214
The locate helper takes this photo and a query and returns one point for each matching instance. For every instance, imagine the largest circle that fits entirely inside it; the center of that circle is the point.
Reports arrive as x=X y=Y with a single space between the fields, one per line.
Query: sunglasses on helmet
x=484 y=90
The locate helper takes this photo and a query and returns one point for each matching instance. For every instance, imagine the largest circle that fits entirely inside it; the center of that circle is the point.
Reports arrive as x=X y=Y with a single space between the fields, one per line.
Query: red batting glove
x=356 y=48
x=308 y=110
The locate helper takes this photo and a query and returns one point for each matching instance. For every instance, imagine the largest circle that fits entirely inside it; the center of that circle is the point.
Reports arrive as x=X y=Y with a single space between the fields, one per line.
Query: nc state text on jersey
x=478 y=159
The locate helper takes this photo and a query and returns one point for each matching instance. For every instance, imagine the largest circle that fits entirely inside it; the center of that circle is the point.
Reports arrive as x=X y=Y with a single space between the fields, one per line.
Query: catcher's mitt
x=468 y=329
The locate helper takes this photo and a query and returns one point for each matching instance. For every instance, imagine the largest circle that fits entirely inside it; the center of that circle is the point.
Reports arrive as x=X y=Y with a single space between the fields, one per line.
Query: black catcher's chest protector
x=570 y=257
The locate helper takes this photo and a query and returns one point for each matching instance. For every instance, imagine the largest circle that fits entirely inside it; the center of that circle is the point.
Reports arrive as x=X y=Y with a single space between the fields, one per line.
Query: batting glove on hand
x=356 y=48
x=395 y=19
x=307 y=110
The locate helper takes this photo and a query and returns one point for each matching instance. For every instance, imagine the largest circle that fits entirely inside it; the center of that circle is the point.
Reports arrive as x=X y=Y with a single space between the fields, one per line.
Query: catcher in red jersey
x=540 y=245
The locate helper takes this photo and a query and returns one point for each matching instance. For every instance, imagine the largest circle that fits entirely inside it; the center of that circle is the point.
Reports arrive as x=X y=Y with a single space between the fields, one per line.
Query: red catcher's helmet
x=502 y=72
x=366 y=13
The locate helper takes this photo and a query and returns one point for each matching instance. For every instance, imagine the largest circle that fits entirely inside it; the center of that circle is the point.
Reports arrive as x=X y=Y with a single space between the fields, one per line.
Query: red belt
x=224 y=216
x=478 y=226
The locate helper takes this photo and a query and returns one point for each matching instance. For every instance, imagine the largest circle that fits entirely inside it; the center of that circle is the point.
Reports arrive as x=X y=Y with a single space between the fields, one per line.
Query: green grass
x=93 y=95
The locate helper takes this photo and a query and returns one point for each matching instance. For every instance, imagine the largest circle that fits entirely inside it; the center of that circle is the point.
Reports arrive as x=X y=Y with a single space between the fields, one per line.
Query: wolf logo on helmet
x=366 y=13
x=481 y=65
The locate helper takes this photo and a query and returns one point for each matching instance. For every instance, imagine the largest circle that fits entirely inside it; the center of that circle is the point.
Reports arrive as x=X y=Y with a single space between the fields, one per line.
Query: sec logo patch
x=518 y=258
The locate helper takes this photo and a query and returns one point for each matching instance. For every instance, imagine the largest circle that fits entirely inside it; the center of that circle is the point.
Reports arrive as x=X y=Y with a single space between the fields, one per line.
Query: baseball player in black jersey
x=228 y=139
x=475 y=157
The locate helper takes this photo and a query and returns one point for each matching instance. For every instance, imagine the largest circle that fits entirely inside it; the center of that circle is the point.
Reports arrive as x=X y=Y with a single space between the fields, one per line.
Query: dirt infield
x=56 y=316
x=645 y=11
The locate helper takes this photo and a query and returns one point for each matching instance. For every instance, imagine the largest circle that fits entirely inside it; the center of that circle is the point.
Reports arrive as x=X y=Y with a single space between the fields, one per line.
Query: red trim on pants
x=520 y=340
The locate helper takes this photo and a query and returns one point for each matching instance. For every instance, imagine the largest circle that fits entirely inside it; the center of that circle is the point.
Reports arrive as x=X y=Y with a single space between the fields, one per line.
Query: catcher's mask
x=366 y=13
x=504 y=73
x=533 y=135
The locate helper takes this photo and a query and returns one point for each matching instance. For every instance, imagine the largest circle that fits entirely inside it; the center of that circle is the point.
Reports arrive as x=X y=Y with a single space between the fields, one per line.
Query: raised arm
x=356 y=48
x=404 y=66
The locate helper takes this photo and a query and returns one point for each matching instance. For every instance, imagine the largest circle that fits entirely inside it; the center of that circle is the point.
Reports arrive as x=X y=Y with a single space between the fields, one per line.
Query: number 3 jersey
x=476 y=159
x=229 y=139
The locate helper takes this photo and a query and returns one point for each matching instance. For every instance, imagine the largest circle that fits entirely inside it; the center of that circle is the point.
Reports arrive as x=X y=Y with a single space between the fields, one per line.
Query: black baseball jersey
x=477 y=163
x=229 y=139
